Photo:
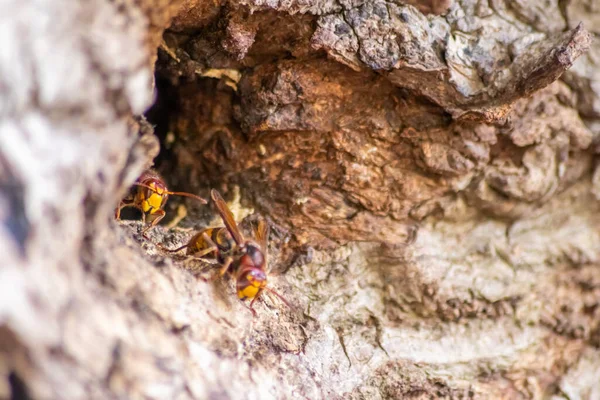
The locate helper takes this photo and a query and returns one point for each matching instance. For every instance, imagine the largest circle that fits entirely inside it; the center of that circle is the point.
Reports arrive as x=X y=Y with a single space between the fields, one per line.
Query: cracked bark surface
x=428 y=171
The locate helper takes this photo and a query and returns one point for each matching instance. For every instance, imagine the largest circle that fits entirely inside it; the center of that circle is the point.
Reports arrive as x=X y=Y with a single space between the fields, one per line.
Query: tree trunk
x=427 y=169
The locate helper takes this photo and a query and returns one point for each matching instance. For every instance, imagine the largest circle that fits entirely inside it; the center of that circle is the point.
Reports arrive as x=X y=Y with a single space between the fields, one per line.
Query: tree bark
x=428 y=170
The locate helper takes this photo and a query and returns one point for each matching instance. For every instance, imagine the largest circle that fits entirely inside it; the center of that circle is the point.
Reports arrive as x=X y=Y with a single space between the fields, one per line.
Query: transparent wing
x=227 y=217
x=262 y=238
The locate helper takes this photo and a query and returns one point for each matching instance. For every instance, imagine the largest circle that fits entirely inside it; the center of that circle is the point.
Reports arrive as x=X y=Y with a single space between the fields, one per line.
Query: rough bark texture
x=428 y=169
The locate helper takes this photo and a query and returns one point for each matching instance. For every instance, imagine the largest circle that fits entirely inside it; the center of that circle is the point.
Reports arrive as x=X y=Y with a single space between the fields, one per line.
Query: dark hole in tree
x=162 y=116
x=159 y=116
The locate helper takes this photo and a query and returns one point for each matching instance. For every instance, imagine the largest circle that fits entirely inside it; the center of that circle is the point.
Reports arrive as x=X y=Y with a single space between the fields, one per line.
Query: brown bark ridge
x=428 y=171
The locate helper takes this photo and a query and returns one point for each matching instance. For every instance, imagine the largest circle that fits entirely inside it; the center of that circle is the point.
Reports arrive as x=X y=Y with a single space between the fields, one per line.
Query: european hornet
x=149 y=194
x=246 y=260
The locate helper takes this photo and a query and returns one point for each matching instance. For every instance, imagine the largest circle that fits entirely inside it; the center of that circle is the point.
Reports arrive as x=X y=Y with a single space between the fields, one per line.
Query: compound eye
x=257 y=276
x=147 y=193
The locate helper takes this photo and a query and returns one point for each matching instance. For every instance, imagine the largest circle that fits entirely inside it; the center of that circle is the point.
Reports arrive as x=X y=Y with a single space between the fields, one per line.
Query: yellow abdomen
x=198 y=243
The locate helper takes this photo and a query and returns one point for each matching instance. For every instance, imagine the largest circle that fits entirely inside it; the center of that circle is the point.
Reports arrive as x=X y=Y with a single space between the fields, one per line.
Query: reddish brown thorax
x=253 y=257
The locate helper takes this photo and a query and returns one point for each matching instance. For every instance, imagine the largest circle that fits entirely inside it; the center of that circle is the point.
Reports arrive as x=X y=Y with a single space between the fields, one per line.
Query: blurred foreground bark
x=428 y=168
